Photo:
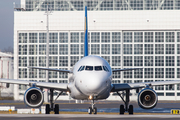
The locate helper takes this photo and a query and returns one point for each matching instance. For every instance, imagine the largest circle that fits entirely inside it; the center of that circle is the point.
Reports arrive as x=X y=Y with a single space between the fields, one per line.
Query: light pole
x=47 y=55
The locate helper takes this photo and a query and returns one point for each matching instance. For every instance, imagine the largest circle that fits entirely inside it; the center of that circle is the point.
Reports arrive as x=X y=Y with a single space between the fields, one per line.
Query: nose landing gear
x=92 y=109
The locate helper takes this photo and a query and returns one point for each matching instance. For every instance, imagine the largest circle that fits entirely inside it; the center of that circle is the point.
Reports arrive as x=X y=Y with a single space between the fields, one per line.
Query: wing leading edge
x=55 y=86
x=125 y=69
x=125 y=86
x=50 y=69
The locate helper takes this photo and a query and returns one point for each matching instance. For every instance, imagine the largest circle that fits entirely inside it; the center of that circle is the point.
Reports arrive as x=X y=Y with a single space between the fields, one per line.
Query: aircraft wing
x=125 y=69
x=55 y=86
x=125 y=86
x=50 y=69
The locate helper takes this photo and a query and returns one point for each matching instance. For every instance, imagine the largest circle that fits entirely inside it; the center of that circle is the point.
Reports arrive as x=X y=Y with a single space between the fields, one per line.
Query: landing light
x=90 y=97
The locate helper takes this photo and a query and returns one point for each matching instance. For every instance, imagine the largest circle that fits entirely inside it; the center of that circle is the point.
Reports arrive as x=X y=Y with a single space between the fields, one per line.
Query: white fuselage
x=91 y=76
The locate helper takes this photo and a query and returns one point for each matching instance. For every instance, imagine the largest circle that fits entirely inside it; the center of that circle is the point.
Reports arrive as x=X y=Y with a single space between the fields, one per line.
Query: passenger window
x=105 y=68
x=98 y=68
x=89 y=68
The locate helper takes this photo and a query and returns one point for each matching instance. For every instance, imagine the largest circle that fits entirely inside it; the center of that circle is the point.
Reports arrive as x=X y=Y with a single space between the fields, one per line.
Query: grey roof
x=2 y=54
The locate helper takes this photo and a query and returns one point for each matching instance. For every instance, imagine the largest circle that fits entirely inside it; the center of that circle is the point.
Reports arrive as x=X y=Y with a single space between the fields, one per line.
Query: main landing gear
x=50 y=107
x=92 y=109
x=126 y=102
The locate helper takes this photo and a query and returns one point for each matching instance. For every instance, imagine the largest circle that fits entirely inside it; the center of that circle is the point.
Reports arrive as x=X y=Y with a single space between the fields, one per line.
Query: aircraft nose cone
x=95 y=84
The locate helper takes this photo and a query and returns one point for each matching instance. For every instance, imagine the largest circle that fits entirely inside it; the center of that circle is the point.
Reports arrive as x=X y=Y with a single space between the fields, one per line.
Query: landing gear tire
x=121 y=111
x=90 y=110
x=95 y=110
x=47 y=108
x=126 y=102
x=56 y=109
x=130 y=109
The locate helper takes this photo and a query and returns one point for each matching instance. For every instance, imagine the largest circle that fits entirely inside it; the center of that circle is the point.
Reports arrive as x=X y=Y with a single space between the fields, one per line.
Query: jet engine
x=33 y=97
x=147 y=98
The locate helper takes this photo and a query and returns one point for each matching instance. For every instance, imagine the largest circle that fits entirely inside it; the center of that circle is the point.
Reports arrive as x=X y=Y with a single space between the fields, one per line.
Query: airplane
x=91 y=79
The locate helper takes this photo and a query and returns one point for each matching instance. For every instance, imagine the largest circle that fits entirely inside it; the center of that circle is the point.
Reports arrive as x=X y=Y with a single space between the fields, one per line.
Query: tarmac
x=86 y=117
x=162 y=108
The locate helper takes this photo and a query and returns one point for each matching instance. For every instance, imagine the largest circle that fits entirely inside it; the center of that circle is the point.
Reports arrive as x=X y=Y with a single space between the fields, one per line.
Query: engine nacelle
x=33 y=97
x=147 y=98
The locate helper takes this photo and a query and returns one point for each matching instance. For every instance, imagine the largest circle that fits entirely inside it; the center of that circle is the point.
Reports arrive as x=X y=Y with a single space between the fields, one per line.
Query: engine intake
x=33 y=97
x=147 y=98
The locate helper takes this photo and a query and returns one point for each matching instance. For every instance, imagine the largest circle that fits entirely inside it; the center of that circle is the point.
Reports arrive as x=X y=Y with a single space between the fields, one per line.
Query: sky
x=7 y=23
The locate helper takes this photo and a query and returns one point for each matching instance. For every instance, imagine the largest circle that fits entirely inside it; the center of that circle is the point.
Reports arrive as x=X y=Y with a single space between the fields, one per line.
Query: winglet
x=85 y=34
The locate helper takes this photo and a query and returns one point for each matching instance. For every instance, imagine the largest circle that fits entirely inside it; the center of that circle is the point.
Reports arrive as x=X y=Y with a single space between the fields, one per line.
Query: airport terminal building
x=127 y=33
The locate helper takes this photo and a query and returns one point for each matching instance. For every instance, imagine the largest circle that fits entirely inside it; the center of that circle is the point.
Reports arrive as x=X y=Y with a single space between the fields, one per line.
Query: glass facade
x=155 y=51
x=105 y=5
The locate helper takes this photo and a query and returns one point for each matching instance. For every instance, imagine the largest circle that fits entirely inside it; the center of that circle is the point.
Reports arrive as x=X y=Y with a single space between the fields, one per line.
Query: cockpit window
x=105 y=68
x=98 y=68
x=81 y=68
x=89 y=68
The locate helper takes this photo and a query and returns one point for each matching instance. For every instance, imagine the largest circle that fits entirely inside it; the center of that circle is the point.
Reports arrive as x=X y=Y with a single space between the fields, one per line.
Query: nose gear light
x=90 y=97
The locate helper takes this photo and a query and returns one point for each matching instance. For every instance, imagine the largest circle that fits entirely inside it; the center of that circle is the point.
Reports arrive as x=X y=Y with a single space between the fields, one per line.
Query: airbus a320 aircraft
x=90 y=79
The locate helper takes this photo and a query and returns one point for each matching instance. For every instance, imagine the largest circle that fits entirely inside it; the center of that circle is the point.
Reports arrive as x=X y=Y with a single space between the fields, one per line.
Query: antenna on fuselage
x=85 y=34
